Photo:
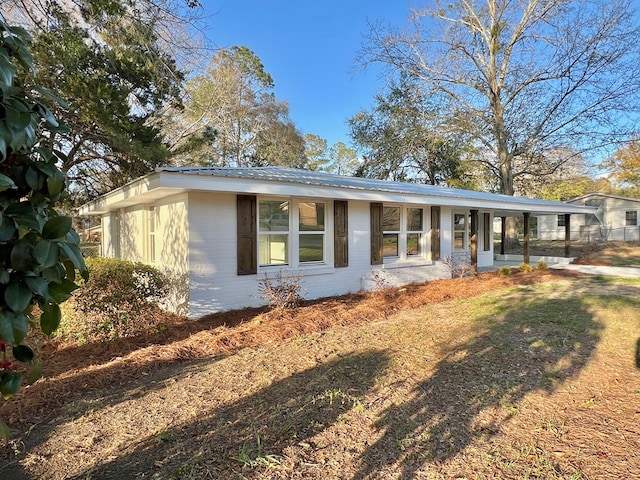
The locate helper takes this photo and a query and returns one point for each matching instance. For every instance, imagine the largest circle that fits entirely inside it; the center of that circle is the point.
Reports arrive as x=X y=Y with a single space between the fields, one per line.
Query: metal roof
x=307 y=177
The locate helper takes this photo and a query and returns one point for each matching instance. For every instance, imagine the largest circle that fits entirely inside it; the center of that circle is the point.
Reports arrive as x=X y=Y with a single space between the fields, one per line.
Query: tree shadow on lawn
x=263 y=424
x=538 y=345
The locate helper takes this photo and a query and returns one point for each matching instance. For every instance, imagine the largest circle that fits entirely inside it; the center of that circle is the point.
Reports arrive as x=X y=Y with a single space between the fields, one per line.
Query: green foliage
x=542 y=265
x=402 y=141
x=115 y=77
x=526 y=268
x=39 y=250
x=119 y=300
x=504 y=271
x=232 y=117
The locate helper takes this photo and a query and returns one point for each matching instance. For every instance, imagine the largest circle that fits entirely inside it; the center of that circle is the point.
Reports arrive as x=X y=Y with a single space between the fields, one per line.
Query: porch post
x=474 y=240
x=525 y=246
x=567 y=235
x=503 y=233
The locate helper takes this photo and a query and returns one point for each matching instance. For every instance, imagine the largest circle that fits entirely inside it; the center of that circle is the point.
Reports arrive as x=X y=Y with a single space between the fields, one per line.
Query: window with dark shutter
x=247 y=235
x=435 y=233
x=340 y=233
x=377 y=234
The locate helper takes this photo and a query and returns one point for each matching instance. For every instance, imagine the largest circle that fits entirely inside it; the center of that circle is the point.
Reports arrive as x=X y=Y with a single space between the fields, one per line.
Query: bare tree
x=523 y=77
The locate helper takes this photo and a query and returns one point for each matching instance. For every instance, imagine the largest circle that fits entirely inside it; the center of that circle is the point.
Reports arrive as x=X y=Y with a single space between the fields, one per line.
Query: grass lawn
x=529 y=376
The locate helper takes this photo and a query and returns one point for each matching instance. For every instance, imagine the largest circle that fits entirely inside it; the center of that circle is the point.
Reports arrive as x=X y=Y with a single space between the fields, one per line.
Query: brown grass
x=419 y=382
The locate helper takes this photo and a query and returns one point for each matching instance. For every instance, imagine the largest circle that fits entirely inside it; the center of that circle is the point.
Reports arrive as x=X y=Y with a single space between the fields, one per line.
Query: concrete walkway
x=626 y=272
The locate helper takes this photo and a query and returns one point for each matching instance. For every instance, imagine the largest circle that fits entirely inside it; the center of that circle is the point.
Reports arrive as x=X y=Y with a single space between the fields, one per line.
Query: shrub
x=526 y=268
x=504 y=271
x=460 y=267
x=119 y=300
x=542 y=265
x=282 y=291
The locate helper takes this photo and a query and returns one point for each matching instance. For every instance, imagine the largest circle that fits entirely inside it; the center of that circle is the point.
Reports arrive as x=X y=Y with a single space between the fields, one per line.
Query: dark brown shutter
x=340 y=233
x=247 y=235
x=435 y=233
x=488 y=232
x=377 y=235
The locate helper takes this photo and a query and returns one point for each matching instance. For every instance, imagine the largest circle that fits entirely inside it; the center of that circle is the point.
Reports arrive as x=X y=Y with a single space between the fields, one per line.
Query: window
x=402 y=232
x=391 y=229
x=311 y=237
x=273 y=230
x=414 y=231
x=631 y=218
x=459 y=231
x=152 y=234
x=561 y=222
x=291 y=232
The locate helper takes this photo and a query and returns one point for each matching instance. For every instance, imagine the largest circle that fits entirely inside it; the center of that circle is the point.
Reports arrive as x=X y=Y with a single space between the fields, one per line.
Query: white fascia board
x=130 y=194
x=212 y=183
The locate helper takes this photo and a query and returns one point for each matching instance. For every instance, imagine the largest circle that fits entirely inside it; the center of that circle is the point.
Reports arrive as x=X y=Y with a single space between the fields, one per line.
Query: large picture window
x=291 y=232
x=403 y=232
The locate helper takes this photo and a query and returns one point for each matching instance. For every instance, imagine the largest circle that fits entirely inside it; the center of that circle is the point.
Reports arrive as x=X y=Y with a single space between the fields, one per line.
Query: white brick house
x=219 y=231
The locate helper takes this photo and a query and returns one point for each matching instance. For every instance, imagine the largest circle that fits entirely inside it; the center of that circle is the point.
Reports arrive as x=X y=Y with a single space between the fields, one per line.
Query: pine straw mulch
x=70 y=370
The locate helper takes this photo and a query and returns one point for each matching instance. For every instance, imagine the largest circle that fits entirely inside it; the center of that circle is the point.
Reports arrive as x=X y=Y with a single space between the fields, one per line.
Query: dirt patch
x=70 y=370
x=534 y=381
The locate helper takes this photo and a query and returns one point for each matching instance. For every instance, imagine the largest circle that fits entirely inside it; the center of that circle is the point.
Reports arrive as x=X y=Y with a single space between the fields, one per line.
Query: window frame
x=631 y=218
x=294 y=232
x=403 y=234
x=560 y=222
x=152 y=224
x=464 y=231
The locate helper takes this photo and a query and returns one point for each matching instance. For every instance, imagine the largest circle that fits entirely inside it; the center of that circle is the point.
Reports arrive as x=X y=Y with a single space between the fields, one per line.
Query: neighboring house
x=219 y=231
x=615 y=218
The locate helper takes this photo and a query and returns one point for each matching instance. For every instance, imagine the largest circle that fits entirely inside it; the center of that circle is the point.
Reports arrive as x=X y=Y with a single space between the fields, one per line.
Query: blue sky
x=309 y=48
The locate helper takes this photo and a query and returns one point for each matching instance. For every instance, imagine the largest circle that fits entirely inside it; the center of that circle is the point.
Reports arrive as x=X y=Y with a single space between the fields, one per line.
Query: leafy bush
x=526 y=268
x=119 y=300
x=283 y=291
x=504 y=271
x=542 y=265
x=39 y=250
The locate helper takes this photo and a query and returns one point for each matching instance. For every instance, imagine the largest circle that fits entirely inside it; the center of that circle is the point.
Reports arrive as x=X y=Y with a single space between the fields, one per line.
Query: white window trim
x=465 y=235
x=293 y=234
x=151 y=244
x=404 y=260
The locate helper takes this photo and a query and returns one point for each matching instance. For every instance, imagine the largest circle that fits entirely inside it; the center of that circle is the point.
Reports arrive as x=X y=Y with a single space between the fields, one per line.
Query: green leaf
x=5 y=432
x=32 y=178
x=55 y=183
x=10 y=383
x=7 y=229
x=46 y=253
x=56 y=274
x=22 y=353
x=36 y=371
x=60 y=292
x=38 y=285
x=6 y=183
x=50 y=318
x=17 y=296
x=4 y=277
x=56 y=227
x=21 y=256
x=13 y=327
x=74 y=254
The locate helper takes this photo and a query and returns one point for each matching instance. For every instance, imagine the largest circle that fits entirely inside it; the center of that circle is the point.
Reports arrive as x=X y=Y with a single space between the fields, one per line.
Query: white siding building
x=614 y=218
x=219 y=231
